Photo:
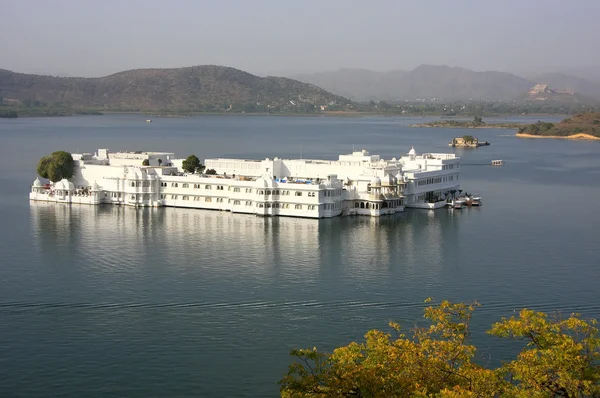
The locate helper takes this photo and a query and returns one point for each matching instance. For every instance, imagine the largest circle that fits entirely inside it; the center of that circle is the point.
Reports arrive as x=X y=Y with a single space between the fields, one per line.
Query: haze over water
x=115 y=301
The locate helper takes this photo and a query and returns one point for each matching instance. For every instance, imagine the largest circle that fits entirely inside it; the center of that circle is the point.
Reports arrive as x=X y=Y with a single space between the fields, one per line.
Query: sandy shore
x=579 y=136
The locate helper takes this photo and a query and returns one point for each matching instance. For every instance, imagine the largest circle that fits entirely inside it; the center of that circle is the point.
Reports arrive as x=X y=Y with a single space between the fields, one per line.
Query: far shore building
x=355 y=184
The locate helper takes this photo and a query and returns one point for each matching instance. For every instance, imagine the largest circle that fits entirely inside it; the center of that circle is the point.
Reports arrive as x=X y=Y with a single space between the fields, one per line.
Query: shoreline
x=489 y=126
x=580 y=136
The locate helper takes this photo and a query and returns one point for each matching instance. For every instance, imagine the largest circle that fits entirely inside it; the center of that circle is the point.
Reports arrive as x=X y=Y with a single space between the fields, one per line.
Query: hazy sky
x=96 y=38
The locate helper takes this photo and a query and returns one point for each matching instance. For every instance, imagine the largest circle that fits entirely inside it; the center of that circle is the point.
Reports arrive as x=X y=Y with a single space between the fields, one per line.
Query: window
x=298 y=207
x=268 y=205
x=185 y=186
x=248 y=203
x=197 y=198
x=236 y=190
x=260 y=192
x=208 y=200
x=248 y=190
x=173 y=196
x=311 y=194
x=186 y=198
x=174 y=184
x=208 y=187
x=268 y=192
x=276 y=192
x=219 y=187
x=132 y=197
x=163 y=196
x=298 y=193
x=219 y=200
x=196 y=186
x=285 y=205
x=133 y=184
x=163 y=184
x=236 y=202
x=311 y=207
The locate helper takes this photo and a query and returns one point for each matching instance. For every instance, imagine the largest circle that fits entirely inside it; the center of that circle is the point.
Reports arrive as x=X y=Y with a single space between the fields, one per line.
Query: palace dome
x=375 y=181
x=412 y=151
x=64 y=184
x=37 y=182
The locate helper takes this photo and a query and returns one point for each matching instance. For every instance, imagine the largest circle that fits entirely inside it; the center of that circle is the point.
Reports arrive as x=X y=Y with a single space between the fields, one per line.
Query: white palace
x=355 y=184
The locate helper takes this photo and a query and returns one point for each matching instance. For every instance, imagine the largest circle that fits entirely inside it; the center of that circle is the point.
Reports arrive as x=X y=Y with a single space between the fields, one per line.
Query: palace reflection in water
x=236 y=246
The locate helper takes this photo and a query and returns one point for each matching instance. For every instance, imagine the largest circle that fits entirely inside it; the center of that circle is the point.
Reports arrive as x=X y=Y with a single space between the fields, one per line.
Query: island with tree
x=476 y=123
x=583 y=126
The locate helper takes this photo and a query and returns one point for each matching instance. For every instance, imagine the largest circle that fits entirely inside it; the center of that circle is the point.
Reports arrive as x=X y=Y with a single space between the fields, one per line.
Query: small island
x=583 y=126
x=467 y=141
x=476 y=123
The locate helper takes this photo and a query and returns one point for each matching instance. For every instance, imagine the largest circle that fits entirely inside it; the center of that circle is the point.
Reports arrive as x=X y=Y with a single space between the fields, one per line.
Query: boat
x=475 y=201
x=148 y=120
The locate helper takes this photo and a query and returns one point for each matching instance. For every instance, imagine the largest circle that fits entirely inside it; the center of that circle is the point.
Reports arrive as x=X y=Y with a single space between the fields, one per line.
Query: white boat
x=148 y=120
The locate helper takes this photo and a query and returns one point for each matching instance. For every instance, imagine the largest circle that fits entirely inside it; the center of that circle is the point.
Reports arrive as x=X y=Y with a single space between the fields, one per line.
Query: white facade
x=358 y=183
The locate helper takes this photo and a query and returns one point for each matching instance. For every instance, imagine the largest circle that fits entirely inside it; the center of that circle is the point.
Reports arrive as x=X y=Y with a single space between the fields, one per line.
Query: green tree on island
x=56 y=166
x=192 y=165
x=560 y=359
x=145 y=162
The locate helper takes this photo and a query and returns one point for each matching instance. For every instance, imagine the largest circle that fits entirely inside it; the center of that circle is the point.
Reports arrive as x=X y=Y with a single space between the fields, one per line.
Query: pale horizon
x=80 y=39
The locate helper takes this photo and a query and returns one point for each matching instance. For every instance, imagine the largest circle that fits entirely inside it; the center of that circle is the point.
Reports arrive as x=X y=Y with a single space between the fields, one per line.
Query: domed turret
x=263 y=182
x=375 y=181
x=412 y=152
x=37 y=183
x=64 y=184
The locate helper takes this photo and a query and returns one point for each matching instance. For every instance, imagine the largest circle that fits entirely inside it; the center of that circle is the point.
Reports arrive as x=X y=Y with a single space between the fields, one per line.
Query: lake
x=113 y=301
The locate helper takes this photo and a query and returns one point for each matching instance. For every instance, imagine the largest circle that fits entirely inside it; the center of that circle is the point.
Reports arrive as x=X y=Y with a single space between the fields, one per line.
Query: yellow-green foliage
x=560 y=359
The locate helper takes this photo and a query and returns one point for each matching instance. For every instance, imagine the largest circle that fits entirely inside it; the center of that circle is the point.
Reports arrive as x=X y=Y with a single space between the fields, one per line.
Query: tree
x=57 y=166
x=159 y=161
x=560 y=359
x=477 y=120
x=192 y=164
x=211 y=172
x=145 y=162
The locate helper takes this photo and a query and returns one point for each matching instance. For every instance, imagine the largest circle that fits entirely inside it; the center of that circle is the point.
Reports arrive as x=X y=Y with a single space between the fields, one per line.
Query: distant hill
x=441 y=82
x=428 y=81
x=583 y=125
x=193 y=88
x=424 y=82
x=358 y=84
x=590 y=73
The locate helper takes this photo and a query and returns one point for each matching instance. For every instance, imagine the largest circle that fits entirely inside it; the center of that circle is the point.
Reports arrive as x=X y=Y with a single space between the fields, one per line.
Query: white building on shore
x=358 y=183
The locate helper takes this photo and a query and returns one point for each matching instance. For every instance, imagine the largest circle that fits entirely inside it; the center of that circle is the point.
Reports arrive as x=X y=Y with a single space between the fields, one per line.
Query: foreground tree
x=57 y=166
x=192 y=165
x=560 y=359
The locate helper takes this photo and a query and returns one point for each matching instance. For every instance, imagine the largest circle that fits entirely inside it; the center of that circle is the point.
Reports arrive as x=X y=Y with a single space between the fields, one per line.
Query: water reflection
x=209 y=243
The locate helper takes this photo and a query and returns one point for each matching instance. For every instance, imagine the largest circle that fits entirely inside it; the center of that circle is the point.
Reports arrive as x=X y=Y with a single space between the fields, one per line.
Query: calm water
x=111 y=301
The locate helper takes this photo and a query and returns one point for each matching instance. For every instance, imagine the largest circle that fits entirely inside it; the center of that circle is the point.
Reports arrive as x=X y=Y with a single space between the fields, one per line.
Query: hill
x=444 y=83
x=358 y=84
x=580 y=126
x=197 y=88
x=424 y=82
